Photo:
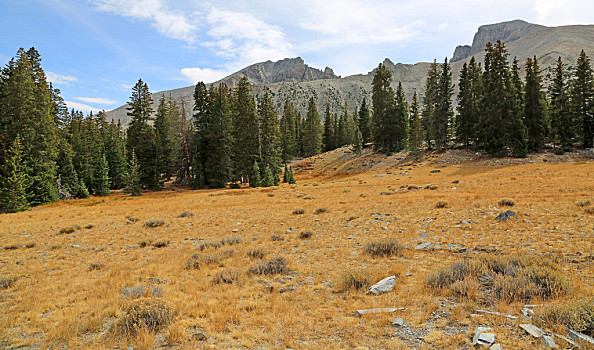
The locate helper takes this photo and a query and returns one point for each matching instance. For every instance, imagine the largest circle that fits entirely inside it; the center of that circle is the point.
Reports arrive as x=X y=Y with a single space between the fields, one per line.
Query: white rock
x=532 y=330
x=383 y=286
x=548 y=342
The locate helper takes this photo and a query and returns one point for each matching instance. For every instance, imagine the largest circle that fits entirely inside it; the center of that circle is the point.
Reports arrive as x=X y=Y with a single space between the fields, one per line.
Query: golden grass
x=57 y=299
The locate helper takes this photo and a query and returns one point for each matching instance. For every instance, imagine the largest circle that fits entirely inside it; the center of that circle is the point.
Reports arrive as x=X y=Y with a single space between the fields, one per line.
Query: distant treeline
x=49 y=153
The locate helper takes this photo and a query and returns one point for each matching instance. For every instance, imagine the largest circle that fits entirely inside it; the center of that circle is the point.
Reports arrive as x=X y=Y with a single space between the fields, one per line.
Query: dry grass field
x=118 y=272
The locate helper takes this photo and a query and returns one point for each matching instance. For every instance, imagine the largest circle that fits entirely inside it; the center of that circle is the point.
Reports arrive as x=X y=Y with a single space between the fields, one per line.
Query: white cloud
x=60 y=79
x=242 y=37
x=97 y=100
x=82 y=107
x=555 y=12
x=207 y=75
x=171 y=23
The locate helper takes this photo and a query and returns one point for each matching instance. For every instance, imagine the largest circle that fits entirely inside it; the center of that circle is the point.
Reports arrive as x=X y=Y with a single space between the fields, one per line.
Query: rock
x=481 y=338
x=460 y=53
x=199 y=336
x=548 y=342
x=129 y=347
x=75 y=246
x=398 y=322
x=383 y=286
x=423 y=246
x=527 y=312
x=435 y=171
x=506 y=215
x=532 y=330
x=210 y=340
x=496 y=347
x=467 y=222
x=579 y=337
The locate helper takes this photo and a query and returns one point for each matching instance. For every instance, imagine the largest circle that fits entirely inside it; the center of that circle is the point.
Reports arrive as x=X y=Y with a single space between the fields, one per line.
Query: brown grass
x=56 y=302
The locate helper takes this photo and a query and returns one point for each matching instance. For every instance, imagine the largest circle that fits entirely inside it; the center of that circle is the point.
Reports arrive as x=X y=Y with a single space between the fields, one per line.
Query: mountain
x=293 y=79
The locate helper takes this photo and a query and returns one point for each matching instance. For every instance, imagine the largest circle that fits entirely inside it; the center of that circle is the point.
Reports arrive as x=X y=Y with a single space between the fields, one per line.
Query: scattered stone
x=435 y=171
x=379 y=310
x=532 y=330
x=399 y=322
x=549 y=342
x=496 y=347
x=527 y=312
x=455 y=181
x=467 y=222
x=211 y=340
x=423 y=246
x=481 y=338
x=497 y=314
x=579 y=337
x=506 y=215
x=383 y=286
x=199 y=336
x=75 y=246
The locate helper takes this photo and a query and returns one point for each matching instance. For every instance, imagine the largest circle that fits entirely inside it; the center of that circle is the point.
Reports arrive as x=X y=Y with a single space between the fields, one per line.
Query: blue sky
x=95 y=50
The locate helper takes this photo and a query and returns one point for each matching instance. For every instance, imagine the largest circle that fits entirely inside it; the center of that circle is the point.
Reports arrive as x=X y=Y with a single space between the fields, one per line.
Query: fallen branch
x=496 y=314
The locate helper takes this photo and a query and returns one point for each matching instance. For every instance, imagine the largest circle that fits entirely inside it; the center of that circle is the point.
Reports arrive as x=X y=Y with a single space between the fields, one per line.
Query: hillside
x=188 y=261
x=292 y=78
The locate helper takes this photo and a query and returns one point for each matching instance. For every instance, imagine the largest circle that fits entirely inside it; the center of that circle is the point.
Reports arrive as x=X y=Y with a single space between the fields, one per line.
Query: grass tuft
x=226 y=277
x=96 y=266
x=384 y=247
x=506 y=202
x=578 y=315
x=161 y=244
x=141 y=291
x=7 y=282
x=154 y=223
x=441 y=204
x=583 y=203
x=144 y=314
x=320 y=211
x=231 y=240
x=185 y=214
x=354 y=280
x=299 y=211
x=256 y=253
x=269 y=267
x=305 y=234
x=69 y=229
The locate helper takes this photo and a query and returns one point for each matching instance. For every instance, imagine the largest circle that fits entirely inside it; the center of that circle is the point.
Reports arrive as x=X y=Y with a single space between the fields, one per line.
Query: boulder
x=506 y=215
x=383 y=286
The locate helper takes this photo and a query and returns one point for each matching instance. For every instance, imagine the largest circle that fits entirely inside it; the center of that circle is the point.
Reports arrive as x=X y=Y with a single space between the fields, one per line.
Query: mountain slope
x=293 y=79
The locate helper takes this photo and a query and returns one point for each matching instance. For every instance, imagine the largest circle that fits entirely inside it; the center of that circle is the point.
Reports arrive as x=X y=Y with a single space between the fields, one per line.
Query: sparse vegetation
x=508 y=279
x=69 y=229
x=384 y=247
x=96 y=266
x=12 y=247
x=185 y=214
x=276 y=237
x=7 y=282
x=441 y=204
x=583 y=203
x=354 y=280
x=506 y=202
x=30 y=245
x=305 y=234
x=141 y=291
x=589 y=210
x=227 y=277
x=212 y=244
x=154 y=223
x=320 y=211
x=578 y=315
x=144 y=314
x=132 y=219
x=269 y=267
x=231 y=240
x=199 y=260
x=256 y=253
x=161 y=244
x=298 y=211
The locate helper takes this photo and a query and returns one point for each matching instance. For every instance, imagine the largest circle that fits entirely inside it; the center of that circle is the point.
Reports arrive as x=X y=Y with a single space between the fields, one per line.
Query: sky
x=94 y=51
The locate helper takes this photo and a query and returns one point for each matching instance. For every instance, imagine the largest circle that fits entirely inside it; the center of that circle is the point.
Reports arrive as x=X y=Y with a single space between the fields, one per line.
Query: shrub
x=269 y=267
x=132 y=218
x=441 y=204
x=141 y=291
x=186 y=214
x=320 y=210
x=145 y=243
x=354 y=279
x=298 y=211
x=276 y=237
x=197 y=260
x=30 y=245
x=231 y=240
x=12 y=247
x=578 y=315
x=559 y=152
x=69 y=229
x=7 y=282
x=589 y=210
x=506 y=279
x=161 y=244
x=383 y=247
x=212 y=244
x=506 y=202
x=583 y=203
x=305 y=234
x=96 y=266
x=154 y=223
x=226 y=277
x=256 y=253
x=147 y=313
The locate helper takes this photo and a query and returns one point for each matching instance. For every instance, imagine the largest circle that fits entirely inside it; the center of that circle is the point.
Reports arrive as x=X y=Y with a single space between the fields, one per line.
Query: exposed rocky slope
x=293 y=79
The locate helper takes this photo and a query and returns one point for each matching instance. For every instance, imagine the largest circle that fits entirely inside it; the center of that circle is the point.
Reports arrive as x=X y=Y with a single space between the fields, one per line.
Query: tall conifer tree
x=312 y=130
x=561 y=123
x=534 y=106
x=245 y=122
x=582 y=100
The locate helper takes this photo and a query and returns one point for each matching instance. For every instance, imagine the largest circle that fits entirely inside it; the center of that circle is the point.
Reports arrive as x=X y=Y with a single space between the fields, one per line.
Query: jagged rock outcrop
x=460 y=53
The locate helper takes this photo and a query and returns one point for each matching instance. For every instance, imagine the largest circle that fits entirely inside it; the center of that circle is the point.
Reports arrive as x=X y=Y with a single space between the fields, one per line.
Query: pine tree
x=286 y=174
x=514 y=125
x=133 y=184
x=534 y=106
x=141 y=136
x=358 y=141
x=561 y=122
x=66 y=173
x=115 y=153
x=219 y=162
x=267 y=179
x=245 y=133
x=270 y=152
x=443 y=112
x=14 y=181
x=582 y=100
x=163 y=125
x=400 y=128
x=383 y=110
x=342 y=138
x=416 y=130
x=429 y=102
x=291 y=178
x=468 y=100
x=102 y=182
x=288 y=132
x=255 y=175
x=312 y=131
x=329 y=132
x=364 y=122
